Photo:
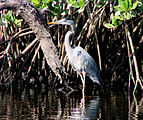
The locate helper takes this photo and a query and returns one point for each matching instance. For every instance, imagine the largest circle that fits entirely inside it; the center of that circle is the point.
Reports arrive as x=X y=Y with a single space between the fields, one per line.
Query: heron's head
x=64 y=21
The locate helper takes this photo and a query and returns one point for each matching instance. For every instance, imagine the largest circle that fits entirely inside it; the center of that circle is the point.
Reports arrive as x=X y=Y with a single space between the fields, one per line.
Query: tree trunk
x=33 y=17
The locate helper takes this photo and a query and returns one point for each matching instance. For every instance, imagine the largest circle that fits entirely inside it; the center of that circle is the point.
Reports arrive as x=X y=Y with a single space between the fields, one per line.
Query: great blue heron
x=80 y=60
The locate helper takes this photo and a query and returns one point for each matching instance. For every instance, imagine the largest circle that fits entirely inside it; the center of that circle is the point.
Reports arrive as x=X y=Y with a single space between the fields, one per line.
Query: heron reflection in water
x=80 y=60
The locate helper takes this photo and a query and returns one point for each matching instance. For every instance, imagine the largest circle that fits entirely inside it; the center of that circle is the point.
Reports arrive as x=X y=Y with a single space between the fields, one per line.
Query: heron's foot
x=82 y=103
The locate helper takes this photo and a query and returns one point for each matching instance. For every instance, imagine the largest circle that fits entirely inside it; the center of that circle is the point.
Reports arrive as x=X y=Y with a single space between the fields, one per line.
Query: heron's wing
x=82 y=61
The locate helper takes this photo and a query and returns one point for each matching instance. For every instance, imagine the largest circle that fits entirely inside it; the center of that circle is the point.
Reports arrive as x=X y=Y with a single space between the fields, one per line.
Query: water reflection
x=34 y=105
x=135 y=108
x=90 y=111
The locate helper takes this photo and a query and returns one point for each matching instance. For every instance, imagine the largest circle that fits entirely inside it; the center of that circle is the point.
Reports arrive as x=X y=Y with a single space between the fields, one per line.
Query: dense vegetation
x=111 y=31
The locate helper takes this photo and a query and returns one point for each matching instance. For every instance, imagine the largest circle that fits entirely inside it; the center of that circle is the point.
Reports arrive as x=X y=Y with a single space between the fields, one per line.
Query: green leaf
x=114 y=21
x=123 y=4
x=134 y=6
x=44 y=5
x=81 y=3
x=108 y=25
x=126 y=4
x=8 y=16
x=76 y=5
x=117 y=8
x=36 y=3
x=71 y=1
x=118 y=17
x=46 y=1
x=130 y=2
x=120 y=2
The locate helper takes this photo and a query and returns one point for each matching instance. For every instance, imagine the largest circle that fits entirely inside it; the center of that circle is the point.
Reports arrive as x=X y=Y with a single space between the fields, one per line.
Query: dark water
x=54 y=105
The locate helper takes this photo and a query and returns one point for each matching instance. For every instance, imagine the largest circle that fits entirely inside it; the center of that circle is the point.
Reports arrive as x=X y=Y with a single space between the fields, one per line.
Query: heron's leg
x=80 y=76
x=84 y=74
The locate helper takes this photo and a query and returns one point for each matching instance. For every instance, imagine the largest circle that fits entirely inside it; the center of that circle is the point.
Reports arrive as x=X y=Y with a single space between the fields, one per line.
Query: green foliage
x=55 y=6
x=125 y=10
x=10 y=17
x=37 y=3
x=41 y=3
x=80 y=4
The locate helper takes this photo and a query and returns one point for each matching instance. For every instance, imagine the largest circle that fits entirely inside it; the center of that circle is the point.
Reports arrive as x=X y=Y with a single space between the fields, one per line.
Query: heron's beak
x=58 y=22
x=52 y=22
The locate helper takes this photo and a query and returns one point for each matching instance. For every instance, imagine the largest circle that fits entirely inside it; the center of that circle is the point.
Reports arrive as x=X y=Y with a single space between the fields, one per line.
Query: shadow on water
x=50 y=104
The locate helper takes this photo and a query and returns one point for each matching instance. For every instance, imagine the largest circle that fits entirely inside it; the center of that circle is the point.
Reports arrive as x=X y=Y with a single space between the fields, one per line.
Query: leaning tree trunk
x=33 y=17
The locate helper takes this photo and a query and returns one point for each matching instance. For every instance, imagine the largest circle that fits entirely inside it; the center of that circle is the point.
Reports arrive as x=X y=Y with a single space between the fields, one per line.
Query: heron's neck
x=68 y=47
x=73 y=28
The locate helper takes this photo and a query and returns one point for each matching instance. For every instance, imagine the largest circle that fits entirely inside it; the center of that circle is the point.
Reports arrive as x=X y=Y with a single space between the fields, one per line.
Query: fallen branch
x=33 y=17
